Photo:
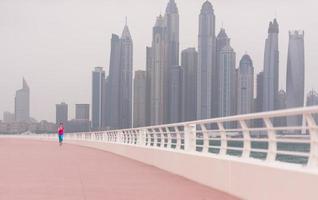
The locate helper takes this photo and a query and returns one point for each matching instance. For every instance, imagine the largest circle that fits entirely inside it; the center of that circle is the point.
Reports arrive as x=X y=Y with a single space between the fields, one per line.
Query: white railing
x=263 y=136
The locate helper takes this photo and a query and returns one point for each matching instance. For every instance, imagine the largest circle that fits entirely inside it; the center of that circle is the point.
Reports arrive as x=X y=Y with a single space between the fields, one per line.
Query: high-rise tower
x=61 y=113
x=271 y=68
x=245 y=85
x=140 y=99
x=206 y=74
x=172 y=23
x=125 y=79
x=114 y=82
x=120 y=80
x=22 y=103
x=158 y=73
x=98 y=79
x=227 y=81
x=295 y=74
x=189 y=62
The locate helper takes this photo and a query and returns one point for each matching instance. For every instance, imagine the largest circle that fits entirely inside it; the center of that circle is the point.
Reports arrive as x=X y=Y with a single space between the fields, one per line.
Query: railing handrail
x=250 y=116
x=267 y=142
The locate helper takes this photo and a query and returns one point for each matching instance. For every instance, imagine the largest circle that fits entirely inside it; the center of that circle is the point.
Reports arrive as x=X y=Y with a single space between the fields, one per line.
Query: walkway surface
x=38 y=170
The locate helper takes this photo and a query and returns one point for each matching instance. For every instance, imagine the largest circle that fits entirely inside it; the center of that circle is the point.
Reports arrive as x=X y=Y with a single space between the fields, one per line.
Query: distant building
x=312 y=100
x=172 y=23
x=189 y=63
x=120 y=80
x=77 y=125
x=149 y=75
x=259 y=97
x=245 y=86
x=271 y=68
x=82 y=112
x=295 y=84
x=8 y=117
x=98 y=78
x=175 y=92
x=126 y=80
x=61 y=113
x=140 y=99
x=222 y=40
x=22 y=103
x=281 y=105
x=259 y=92
x=227 y=81
x=158 y=74
x=206 y=74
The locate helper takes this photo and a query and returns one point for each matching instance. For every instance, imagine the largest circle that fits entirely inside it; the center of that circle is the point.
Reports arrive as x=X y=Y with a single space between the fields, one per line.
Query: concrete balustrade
x=248 y=156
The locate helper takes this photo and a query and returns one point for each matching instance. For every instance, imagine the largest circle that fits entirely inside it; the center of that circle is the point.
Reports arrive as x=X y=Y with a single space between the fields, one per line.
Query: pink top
x=61 y=131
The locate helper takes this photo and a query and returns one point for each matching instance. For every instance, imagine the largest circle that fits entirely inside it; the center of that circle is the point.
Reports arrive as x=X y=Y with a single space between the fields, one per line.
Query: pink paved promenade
x=39 y=170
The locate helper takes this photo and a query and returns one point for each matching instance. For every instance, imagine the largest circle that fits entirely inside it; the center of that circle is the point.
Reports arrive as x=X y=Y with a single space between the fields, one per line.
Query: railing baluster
x=247 y=139
x=169 y=138
x=313 y=132
x=205 y=138
x=178 y=138
x=190 y=137
x=223 y=147
x=272 y=145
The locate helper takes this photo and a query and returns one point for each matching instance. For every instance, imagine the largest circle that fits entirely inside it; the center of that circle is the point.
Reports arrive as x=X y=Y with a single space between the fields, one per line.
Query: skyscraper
x=227 y=81
x=172 y=23
x=295 y=74
x=271 y=68
x=126 y=79
x=98 y=78
x=140 y=99
x=259 y=97
x=120 y=81
x=158 y=74
x=114 y=81
x=222 y=40
x=245 y=85
x=148 y=85
x=22 y=103
x=82 y=112
x=61 y=113
x=106 y=105
x=175 y=92
x=259 y=91
x=189 y=63
x=206 y=74
x=281 y=105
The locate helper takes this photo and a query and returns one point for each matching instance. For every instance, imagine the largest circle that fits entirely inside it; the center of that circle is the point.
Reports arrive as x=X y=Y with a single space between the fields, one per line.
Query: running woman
x=61 y=133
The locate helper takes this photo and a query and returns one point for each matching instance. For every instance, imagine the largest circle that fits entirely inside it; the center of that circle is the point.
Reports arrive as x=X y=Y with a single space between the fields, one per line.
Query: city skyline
x=61 y=89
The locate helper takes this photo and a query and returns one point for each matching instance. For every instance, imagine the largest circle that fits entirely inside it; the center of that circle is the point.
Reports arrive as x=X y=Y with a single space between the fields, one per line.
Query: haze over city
x=56 y=44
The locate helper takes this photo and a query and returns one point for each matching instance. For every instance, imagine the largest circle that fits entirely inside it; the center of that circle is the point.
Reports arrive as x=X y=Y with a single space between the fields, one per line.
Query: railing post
x=246 y=139
x=133 y=137
x=169 y=138
x=162 y=138
x=272 y=145
x=205 y=138
x=178 y=138
x=313 y=132
x=154 y=135
x=190 y=137
x=222 y=131
x=141 y=137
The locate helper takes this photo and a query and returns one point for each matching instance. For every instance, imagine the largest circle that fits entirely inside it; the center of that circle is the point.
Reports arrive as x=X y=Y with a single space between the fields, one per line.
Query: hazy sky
x=56 y=44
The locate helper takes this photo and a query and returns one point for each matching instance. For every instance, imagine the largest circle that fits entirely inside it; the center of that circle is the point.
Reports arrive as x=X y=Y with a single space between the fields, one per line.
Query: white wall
x=246 y=179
